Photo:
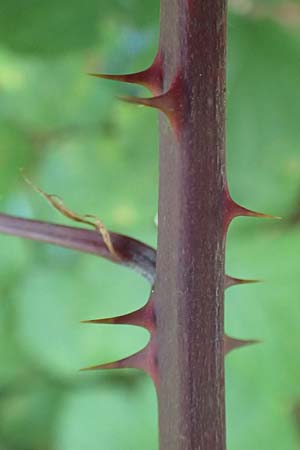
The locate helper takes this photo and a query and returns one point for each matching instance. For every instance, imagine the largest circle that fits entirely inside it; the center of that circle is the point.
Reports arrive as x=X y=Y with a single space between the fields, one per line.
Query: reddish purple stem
x=134 y=254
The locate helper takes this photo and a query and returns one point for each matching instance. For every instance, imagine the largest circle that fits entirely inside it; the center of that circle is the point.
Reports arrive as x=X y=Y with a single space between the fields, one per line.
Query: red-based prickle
x=231 y=281
x=144 y=317
x=171 y=103
x=233 y=209
x=231 y=343
x=144 y=360
x=151 y=78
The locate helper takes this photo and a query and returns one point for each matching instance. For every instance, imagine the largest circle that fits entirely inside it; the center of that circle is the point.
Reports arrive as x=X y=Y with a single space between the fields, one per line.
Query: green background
x=75 y=139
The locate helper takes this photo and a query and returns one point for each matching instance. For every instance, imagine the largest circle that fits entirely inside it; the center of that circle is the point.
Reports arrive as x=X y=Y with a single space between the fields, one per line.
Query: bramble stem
x=189 y=289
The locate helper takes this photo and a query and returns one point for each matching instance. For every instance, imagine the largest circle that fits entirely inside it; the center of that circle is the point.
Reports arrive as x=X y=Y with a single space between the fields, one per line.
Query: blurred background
x=75 y=139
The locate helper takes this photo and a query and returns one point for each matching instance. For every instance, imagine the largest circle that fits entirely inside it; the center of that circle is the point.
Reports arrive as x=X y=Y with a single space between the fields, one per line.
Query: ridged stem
x=189 y=290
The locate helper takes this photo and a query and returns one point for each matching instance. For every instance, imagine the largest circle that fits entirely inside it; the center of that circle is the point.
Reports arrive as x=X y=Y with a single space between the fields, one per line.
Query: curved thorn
x=144 y=360
x=132 y=253
x=170 y=103
x=231 y=281
x=150 y=78
x=233 y=209
x=144 y=317
x=231 y=343
x=132 y=78
x=161 y=102
x=241 y=211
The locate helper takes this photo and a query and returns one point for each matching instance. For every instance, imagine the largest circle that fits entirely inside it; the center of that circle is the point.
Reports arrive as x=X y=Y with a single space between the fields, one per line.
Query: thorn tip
x=143 y=317
x=231 y=343
x=150 y=78
x=232 y=281
x=233 y=209
x=144 y=360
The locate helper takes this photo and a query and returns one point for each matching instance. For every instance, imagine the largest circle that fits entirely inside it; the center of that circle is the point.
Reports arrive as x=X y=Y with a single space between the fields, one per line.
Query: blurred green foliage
x=76 y=140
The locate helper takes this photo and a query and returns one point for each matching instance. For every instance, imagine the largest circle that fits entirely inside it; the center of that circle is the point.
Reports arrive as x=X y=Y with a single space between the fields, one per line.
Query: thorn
x=144 y=317
x=144 y=360
x=150 y=78
x=233 y=209
x=241 y=211
x=169 y=103
x=161 y=102
x=230 y=281
x=231 y=343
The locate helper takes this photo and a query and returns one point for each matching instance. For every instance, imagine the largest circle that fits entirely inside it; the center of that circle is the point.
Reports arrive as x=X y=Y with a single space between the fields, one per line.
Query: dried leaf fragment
x=88 y=219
